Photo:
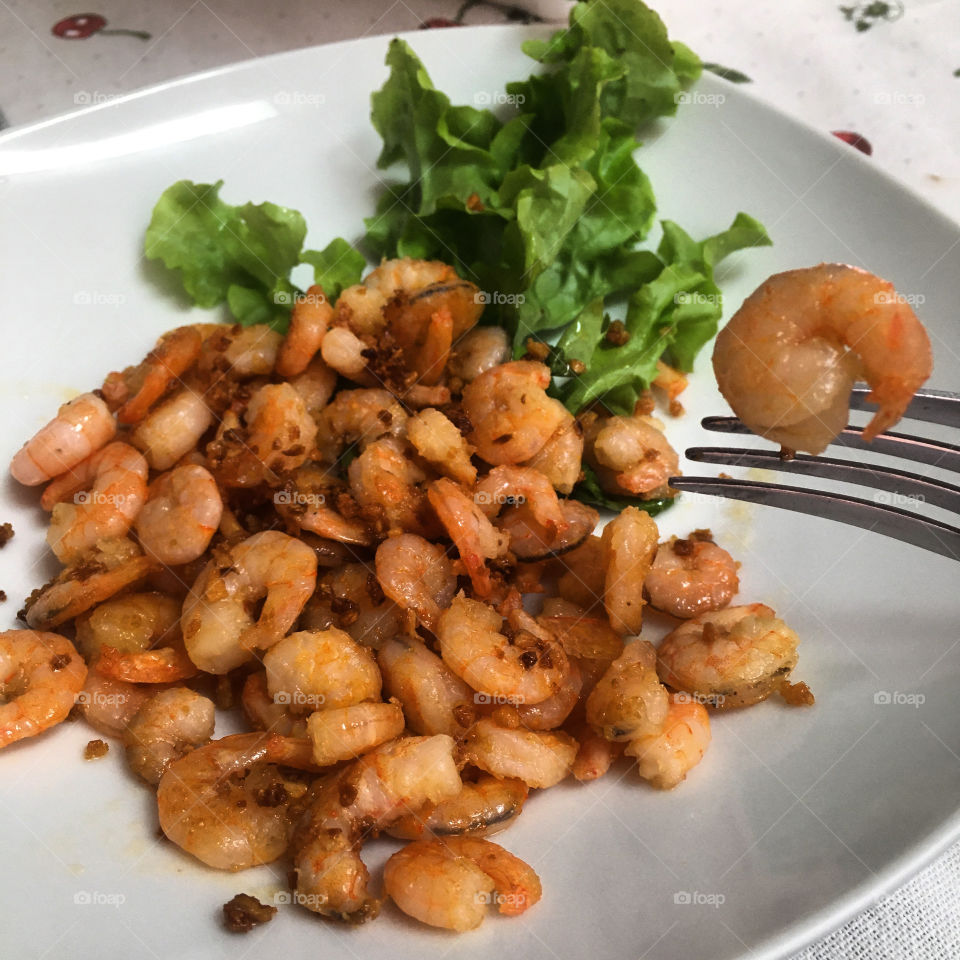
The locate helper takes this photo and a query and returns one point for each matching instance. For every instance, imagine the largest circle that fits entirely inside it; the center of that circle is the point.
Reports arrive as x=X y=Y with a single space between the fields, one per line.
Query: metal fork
x=931 y=406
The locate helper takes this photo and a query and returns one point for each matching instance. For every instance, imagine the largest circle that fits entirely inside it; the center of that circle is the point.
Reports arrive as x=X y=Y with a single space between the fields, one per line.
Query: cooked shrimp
x=165 y=728
x=217 y=622
x=280 y=430
x=309 y=320
x=482 y=807
x=546 y=715
x=583 y=635
x=528 y=668
x=264 y=713
x=240 y=352
x=350 y=597
x=630 y=455
x=41 y=675
x=672 y=383
x=172 y=429
x=315 y=385
x=225 y=802
x=449 y=883
x=629 y=700
x=278 y=436
x=512 y=416
x=105 y=571
x=690 y=577
x=422 y=327
x=345 y=733
x=472 y=533
x=560 y=459
x=508 y=484
x=116 y=476
x=161 y=665
x=531 y=540
x=729 y=658
x=630 y=544
x=419 y=395
x=80 y=428
x=359 y=416
x=477 y=351
x=317 y=670
x=181 y=515
x=538 y=758
x=422 y=287
x=173 y=355
x=667 y=755
x=389 y=488
x=394 y=779
x=308 y=501
x=583 y=574
x=131 y=623
x=344 y=352
x=442 y=445
x=109 y=705
x=417 y=575
x=787 y=358
x=595 y=755
x=432 y=695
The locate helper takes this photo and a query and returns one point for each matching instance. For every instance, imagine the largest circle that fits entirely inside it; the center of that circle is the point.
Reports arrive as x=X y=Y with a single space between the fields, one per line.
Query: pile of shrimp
x=361 y=533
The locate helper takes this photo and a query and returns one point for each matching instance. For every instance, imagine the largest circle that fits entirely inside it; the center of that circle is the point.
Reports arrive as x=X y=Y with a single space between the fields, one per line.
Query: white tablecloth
x=886 y=74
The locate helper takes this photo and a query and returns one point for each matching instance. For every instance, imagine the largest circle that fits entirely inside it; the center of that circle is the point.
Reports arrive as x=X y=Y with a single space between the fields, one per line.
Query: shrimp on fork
x=788 y=357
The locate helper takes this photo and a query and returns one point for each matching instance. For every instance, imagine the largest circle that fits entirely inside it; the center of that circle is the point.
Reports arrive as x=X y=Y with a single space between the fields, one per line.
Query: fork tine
x=932 y=535
x=897 y=482
x=931 y=406
x=934 y=454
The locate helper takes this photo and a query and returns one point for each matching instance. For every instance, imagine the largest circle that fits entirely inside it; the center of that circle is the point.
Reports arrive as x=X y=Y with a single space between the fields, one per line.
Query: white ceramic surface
x=795 y=820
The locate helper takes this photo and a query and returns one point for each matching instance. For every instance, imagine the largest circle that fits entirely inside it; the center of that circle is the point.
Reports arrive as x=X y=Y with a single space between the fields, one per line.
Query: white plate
x=795 y=820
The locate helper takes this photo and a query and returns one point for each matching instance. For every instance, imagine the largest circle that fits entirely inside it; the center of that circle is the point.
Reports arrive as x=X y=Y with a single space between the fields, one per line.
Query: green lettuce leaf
x=446 y=149
x=215 y=245
x=672 y=315
x=336 y=266
x=241 y=255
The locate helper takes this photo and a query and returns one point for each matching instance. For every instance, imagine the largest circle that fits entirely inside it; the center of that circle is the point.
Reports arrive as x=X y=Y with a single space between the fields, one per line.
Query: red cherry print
x=855 y=140
x=79 y=26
